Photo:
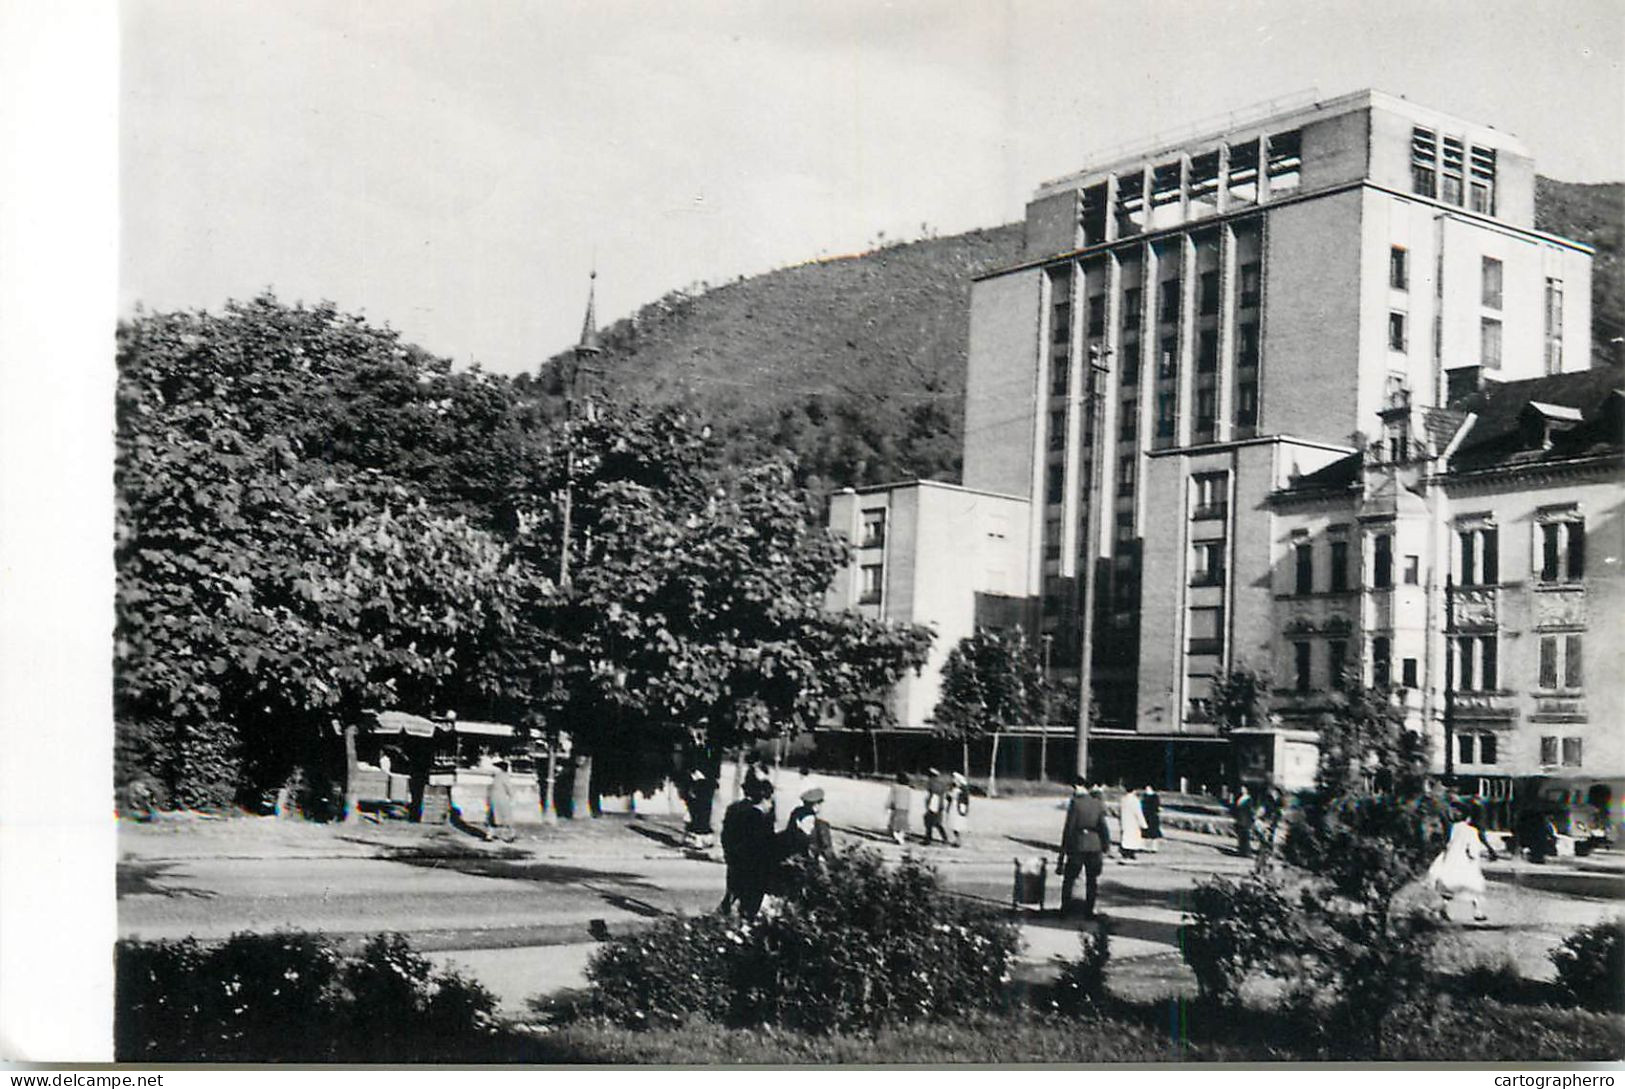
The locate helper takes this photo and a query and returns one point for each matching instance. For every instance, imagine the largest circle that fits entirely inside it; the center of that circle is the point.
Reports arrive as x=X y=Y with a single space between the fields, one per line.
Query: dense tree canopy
x=315 y=519
x=991 y=681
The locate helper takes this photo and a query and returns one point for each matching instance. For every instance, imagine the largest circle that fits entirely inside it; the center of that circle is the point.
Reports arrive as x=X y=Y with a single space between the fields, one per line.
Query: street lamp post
x=1096 y=379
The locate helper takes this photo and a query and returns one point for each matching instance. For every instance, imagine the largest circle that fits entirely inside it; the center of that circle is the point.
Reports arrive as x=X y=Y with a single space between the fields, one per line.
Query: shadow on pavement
x=1579 y=886
x=138 y=879
x=517 y=866
x=659 y=835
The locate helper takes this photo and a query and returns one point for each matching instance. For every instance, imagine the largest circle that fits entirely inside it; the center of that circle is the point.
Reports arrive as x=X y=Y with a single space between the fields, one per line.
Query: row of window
x=1451 y=170
x=1474 y=659
x=1490 y=338
x=1482 y=748
x=1559 y=557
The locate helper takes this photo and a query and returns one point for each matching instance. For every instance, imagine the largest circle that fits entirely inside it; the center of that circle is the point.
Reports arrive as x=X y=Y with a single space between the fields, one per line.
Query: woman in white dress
x=1459 y=868
x=956 y=810
x=1131 y=839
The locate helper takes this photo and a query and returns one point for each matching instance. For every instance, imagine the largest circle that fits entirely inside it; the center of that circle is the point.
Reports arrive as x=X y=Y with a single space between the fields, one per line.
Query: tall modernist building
x=1195 y=326
x=1197 y=329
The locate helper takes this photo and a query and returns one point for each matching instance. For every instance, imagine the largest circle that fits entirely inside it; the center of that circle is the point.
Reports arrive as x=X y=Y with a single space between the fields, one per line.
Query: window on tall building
x=1092 y=214
x=1573 y=662
x=1125 y=475
x=1247 y=404
x=1340 y=566
x=1492 y=282
x=1381 y=661
x=1548 y=662
x=1210 y=494
x=874 y=529
x=1300 y=667
x=1056 y=486
x=1399 y=273
x=1057 y=429
x=1168 y=302
x=1562 y=550
x=1382 y=561
x=1396 y=330
x=1127 y=419
x=1489 y=343
x=1285 y=161
x=1243 y=181
x=1251 y=276
x=1060 y=376
x=1204 y=184
x=1209 y=293
x=1424 y=162
x=1165 y=415
x=1247 y=344
x=1483 y=180
x=1207 y=351
x=1451 y=163
x=1130 y=204
x=1548 y=751
x=1129 y=368
x=1486 y=748
x=1475 y=747
x=1304 y=558
x=1413 y=570
x=1554 y=325
x=1477 y=664
x=1133 y=300
x=1478 y=556
x=1097 y=315
x=1168 y=357
x=1407 y=672
x=1572 y=752
x=869 y=583
x=1206 y=633
x=1336 y=661
x=1125 y=526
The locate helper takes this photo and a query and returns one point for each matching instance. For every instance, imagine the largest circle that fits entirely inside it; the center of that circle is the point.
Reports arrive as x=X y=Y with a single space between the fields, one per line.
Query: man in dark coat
x=807 y=835
x=1085 y=839
x=749 y=849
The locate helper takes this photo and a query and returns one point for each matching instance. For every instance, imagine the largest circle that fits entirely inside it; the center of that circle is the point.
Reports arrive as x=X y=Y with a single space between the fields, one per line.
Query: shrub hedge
x=859 y=945
x=1591 y=965
x=293 y=997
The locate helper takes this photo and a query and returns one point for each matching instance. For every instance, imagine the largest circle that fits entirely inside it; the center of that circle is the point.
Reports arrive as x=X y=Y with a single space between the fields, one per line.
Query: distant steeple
x=589 y=328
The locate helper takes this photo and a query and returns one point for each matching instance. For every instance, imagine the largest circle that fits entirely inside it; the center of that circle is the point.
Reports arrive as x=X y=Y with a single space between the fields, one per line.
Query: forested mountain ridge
x=856 y=365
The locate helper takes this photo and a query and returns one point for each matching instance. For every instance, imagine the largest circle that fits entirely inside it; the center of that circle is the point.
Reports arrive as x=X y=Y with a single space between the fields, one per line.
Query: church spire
x=589 y=328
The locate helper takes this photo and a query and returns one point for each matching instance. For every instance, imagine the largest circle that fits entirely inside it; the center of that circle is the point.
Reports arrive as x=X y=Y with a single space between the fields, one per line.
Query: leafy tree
x=694 y=613
x=991 y=681
x=273 y=578
x=1241 y=699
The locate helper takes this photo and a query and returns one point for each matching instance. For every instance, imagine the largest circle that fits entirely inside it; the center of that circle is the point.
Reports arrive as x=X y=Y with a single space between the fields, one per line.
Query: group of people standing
x=947 y=807
x=757 y=852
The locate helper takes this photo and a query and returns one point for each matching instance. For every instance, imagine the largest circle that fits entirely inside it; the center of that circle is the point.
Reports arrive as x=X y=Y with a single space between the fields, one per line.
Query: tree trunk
x=550 y=805
x=874 y=753
x=964 y=756
x=581 y=789
x=352 y=797
x=993 y=768
x=736 y=789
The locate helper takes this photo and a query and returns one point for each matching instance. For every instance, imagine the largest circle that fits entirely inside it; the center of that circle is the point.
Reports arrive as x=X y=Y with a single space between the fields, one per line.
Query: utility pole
x=1043 y=735
x=1096 y=378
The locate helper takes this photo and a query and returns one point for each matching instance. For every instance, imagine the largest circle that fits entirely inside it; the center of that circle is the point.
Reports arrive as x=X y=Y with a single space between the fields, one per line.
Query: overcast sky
x=455 y=167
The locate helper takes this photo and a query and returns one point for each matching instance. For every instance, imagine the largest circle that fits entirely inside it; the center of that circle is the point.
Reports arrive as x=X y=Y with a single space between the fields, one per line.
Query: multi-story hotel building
x=1194 y=328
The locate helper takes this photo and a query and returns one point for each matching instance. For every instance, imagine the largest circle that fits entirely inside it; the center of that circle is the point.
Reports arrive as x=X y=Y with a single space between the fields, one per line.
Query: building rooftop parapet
x=872 y=489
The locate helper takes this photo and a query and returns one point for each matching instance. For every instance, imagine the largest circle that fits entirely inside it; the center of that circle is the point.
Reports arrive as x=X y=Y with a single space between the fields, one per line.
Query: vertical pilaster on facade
x=1111 y=208
x=1263 y=169
x=1184 y=403
x=1077 y=352
x=1223 y=197
x=1150 y=274
x=1224 y=391
x=1184 y=187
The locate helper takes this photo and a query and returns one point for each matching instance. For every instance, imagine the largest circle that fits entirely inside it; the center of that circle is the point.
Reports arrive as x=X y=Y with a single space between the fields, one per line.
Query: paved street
x=517 y=916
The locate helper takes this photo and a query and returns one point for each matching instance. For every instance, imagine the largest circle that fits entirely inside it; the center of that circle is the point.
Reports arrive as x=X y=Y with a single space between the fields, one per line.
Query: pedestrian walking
x=500 y=803
x=807 y=834
x=1460 y=868
x=956 y=810
x=898 y=803
x=1085 y=838
x=936 y=796
x=1131 y=822
x=748 y=849
x=1243 y=809
x=1151 y=807
x=699 y=795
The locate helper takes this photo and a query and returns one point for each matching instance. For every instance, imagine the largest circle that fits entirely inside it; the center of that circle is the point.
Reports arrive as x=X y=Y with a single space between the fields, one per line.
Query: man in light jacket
x=1084 y=842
